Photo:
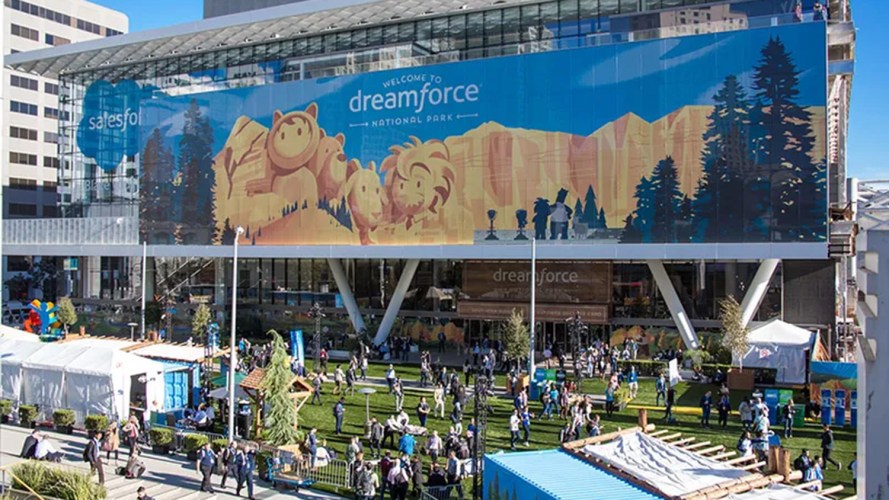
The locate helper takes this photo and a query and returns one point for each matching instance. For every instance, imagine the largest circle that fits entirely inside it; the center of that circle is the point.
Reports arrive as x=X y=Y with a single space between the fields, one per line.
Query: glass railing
x=73 y=231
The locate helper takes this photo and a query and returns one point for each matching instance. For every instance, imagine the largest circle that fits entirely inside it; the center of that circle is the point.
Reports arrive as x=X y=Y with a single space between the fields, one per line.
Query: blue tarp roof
x=564 y=476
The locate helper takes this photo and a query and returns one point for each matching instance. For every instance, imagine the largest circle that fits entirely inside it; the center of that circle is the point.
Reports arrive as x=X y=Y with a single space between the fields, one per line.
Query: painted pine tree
x=643 y=217
x=666 y=202
x=591 y=210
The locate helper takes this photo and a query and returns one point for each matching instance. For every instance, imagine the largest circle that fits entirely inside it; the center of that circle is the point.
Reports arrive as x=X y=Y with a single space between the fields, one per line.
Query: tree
x=578 y=213
x=630 y=233
x=734 y=333
x=667 y=202
x=603 y=222
x=228 y=233
x=590 y=210
x=200 y=321
x=281 y=415
x=786 y=144
x=154 y=312
x=196 y=166
x=643 y=216
x=516 y=338
x=66 y=314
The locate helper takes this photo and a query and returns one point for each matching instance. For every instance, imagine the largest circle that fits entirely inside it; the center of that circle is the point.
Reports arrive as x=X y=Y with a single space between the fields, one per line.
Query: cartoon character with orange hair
x=419 y=179
x=329 y=165
x=290 y=145
x=365 y=197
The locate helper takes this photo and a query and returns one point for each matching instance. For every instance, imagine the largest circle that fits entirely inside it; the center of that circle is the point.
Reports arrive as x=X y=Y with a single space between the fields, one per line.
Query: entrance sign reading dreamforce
x=558 y=282
x=677 y=140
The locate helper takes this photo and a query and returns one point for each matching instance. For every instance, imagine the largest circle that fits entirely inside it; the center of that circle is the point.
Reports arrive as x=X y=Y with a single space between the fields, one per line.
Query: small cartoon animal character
x=419 y=179
x=290 y=145
x=366 y=198
x=329 y=165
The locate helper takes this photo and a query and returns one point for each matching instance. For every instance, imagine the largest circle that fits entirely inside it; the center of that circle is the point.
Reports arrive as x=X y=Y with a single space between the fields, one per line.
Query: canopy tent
x=12 y=354
x=87 y=378
x=782 y=347
x=8 y=332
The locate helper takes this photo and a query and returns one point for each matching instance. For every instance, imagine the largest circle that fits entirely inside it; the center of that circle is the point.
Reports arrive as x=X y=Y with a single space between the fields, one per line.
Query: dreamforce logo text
x=122 y=121
x=432 y=93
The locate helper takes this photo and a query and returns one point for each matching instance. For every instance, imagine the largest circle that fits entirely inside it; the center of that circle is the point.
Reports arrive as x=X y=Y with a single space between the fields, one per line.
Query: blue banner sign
x=297 y=349
x=826 y=406
x=840 y=418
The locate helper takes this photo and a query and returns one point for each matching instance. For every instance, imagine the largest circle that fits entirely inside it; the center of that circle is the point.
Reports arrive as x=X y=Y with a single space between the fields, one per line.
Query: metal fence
x=336 y=473
x=441 y=493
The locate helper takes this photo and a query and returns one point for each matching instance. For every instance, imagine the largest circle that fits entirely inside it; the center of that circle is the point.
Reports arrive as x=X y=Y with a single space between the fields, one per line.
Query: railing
x=6 y=484
x=336 y=473
x=440 y=493
x=75 y=231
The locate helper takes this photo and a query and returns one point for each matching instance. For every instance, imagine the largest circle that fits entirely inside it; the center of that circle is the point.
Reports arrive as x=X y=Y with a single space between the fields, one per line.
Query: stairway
x=120 y=488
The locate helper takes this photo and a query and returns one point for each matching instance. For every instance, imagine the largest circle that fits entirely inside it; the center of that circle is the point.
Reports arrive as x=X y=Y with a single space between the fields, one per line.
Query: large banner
x=558 y=282
x=707 y=138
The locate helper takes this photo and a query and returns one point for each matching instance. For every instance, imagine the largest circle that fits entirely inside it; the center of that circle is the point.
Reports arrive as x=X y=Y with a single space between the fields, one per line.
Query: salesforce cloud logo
x=109 y=129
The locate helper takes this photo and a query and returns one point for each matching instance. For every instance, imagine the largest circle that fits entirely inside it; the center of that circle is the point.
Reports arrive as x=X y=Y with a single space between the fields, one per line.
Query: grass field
x=545 y=433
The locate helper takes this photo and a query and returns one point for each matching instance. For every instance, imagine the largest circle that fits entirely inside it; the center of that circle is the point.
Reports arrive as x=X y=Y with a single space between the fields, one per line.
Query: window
x=22 y=158
x=50 y=112
x=42 y=12
x=23 y=107
x=55 y=40
x=51 y=88
x=18 y=264
x=29 y=184
x=111 y=32
x=23 y=82
x=27 y=134
x=50 y=162
x=51 y=137
x=25 y=32
x=50 y=211
x=50 y=185
x=23 y=209
x=88 y=26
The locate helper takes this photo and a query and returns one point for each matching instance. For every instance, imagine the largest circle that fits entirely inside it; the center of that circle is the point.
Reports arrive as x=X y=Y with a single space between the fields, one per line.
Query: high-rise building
x=215 y=8
x=30 y=106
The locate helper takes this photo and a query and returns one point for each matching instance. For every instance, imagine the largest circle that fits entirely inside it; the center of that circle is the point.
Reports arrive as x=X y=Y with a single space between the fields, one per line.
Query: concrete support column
x=404 y=281
x=93 y=279
x=219 y=282
x=345 y=290
x=677 y=311
x=757 y=289
x=731 y=279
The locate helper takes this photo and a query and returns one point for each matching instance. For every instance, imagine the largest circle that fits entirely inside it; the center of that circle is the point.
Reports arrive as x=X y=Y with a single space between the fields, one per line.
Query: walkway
x=169 y=477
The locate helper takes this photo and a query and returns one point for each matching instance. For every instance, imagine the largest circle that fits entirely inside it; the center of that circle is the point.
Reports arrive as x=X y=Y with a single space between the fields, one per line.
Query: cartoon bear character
x=365 y=197
x=290 y=145
x=419 y=179
x=329 y=165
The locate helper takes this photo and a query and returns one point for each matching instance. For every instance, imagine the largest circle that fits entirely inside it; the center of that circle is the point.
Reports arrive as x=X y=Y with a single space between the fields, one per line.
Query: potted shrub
x=161 y=440
x=5 y=410
x=192 y=443
x=27 y=416
x=63 y=420
x=96 y=423
x=219 y=444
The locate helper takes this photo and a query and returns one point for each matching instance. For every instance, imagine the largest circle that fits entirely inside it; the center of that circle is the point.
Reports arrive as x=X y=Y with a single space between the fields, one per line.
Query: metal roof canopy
x=283 y=22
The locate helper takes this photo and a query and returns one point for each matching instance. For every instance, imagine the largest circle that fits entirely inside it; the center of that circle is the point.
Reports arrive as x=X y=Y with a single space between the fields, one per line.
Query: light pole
x=144 y=275
x=233 y=348
x=533 y=305
x=316 y=313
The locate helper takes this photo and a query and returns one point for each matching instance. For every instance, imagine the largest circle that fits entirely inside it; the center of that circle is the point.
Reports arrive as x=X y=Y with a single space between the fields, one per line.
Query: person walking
x=339 y=409
x=609 y=400
x=350 y=380
x=633 y=382
x=514 y=422
x=454 y=474
x=438 y=399
x=227 y=460
x=417 y=475
x=525 y=416
x=368 y=482
x=246 y=463
x=92 y=455
x=338 y=378
x=434 y=446
x=386 y=465
x=390 y=378
x=827 y=442
x=671 y=398
x=111 y=443
x=205 y=463
x=787 y=412
x=316 y=389
x=724 y=406
x=441 y=342
x=423 y=411
x=376 y=437
x=660 y=386
x=398 y=391
x=706 y=405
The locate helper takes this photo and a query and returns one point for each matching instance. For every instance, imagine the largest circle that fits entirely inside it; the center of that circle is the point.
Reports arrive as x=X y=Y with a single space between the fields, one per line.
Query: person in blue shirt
x=205 y=464
x=245 y=461
x=609 y=400
x=554 y=397
x=526 y=424
x=339 y=409
x=406 y=444
x=706 y=405
x=633 y=382
x=312 y=442
x=660 y=386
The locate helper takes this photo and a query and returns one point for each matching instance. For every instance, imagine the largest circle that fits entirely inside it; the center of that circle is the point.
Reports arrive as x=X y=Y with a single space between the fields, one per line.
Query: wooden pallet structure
x=762 y=474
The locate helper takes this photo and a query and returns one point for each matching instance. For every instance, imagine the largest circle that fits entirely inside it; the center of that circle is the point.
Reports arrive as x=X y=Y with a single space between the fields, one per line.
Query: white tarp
x=85 y=377
x=669 y=469
x=8 y=332
x=12 y=354
x=779 y=346
x=777 y=492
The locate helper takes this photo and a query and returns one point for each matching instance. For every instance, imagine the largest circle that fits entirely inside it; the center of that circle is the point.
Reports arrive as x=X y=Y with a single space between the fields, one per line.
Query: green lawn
x=545 y=433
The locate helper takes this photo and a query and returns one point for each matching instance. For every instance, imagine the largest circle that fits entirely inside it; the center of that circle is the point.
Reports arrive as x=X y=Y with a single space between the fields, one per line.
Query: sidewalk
x=170 y=470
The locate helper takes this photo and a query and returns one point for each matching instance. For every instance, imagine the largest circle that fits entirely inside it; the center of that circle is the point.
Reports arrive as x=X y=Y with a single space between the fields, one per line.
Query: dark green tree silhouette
x=195 y=164
x=667 y=202
x=719 y=198
x=797 y=199
x=590 y=211
x=228 y=233
x=603 y=222
x=643 y=216
x=155 y=191
x=630 y=234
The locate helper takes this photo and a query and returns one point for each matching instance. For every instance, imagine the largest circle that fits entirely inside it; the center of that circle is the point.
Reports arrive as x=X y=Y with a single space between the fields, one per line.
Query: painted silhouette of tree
x=590 y=211
x=797 y=199
x=643 y=216
x=667 y=198
x=228 y=233
x=631 y=234
x=603 y=222
x=195 y=163
x=155 y=188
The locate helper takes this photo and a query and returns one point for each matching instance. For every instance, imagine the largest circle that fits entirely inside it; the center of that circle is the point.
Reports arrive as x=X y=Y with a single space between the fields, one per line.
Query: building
x=215 y=8
x=31 y=114
x=396 y=161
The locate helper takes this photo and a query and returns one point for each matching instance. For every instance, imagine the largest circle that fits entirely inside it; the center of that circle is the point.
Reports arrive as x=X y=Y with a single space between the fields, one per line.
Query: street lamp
x=233 y=348
x=533 y=306
x=316 y=313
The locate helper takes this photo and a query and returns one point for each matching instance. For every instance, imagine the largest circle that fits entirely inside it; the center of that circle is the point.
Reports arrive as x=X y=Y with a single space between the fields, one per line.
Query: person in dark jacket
x=827 y=447
x=417 y=474
x=30 y=445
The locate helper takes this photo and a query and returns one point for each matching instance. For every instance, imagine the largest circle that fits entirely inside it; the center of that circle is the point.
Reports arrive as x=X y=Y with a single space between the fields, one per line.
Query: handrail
x=6 y=469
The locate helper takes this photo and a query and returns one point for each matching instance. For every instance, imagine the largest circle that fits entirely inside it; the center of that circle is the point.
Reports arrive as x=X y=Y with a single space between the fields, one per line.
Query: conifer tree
x=590 y=211
x=667 y=202
x=281 y=416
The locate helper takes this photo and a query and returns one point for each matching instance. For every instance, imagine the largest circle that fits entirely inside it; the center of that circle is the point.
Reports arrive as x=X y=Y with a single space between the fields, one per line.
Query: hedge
x=194 y=442
x=161 y=436
x=219 y=444
x=53 y=482
x=63 y=418
x=5 y=407
x=27 y=413
x=96 y=423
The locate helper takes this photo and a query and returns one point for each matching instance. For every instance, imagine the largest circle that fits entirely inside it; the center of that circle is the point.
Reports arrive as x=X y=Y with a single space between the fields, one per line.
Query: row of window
x=58 y=17
x=30 y=134
x=55 y=40
x=25 y=32
x=31 y=159
x=31 y=184
x=31 y=109
x=30 y=210
x=24 y=82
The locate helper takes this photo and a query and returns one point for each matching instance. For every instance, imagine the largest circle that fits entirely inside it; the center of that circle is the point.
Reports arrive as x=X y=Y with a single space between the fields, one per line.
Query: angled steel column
x=345 y=289
x=757 y=289
x=404 y=281
x=683 y=323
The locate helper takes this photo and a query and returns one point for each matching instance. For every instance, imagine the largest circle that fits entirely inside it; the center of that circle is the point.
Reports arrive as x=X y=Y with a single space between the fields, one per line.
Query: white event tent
x=781 y=346
x=89 y=379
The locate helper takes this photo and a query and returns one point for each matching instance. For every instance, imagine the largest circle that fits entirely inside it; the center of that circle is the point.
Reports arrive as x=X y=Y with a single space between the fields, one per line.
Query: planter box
x=741 y=379
x=192 y=455
x=160 y=449
x=521 y=382
x=66 y=429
